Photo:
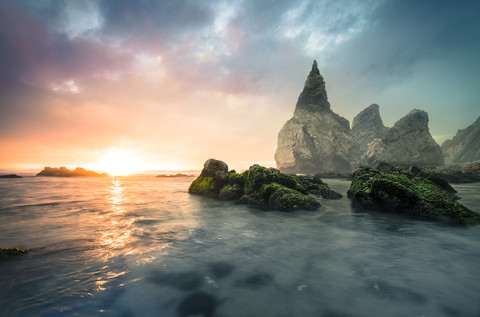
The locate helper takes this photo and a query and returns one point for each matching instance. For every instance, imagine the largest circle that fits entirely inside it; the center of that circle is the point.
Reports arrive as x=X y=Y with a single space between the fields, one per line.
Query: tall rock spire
x=314 y=95
x=316 y=139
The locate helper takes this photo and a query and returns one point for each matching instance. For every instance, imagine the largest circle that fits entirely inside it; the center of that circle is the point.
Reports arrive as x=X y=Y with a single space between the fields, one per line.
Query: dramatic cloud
x=179 y=81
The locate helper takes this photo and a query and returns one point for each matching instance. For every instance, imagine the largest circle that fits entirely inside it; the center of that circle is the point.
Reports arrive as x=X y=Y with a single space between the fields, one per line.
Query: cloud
x=197 y=77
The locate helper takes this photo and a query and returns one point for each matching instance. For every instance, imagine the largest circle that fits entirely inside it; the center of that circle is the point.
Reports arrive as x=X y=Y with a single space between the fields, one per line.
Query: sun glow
x=117 y=162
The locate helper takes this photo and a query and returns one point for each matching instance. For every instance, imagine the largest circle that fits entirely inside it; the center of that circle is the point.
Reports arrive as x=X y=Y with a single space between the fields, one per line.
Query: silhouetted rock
x=65 y=172
x=407 y=192
x=408 y=142
x=368 y=125
x=173 y=175
x=10 y=176
x=315 y=139
x=261 y=186
x=465 y=145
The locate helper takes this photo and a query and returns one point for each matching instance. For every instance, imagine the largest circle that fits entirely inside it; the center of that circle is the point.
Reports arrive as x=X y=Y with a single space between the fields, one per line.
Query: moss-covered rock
x=404 y=192
x=231 y=192
x=315 y=186
x=205 y=185
x=261 y=186
x=5 y=253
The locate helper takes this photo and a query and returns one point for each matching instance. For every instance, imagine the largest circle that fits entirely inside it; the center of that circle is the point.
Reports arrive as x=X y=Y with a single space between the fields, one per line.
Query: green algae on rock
x=8 y=252
x=261 y=186
x=404 y=192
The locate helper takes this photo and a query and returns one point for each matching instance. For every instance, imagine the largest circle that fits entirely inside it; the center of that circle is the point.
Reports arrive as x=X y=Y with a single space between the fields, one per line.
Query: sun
x=117 y=162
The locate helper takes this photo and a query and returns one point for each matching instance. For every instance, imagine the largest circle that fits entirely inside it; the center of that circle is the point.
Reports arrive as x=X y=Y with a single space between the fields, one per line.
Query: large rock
x=261 y=186
x=368 y=125
x=315 y=139
x=410 y=193
x=408 y=142
x=465 y=145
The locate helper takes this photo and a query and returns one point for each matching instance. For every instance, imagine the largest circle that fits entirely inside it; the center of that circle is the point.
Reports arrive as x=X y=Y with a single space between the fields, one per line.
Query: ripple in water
x=141 y=246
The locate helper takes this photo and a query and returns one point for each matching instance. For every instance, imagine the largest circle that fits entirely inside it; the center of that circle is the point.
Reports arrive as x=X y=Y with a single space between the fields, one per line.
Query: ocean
x=142 y=246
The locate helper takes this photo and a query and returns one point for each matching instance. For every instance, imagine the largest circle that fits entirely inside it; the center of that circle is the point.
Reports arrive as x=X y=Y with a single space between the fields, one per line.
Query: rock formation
x=408 y=142
x=261 y=186
x=315 y=139
x=10 y=176
x=410 y=193
x=465 y=145
x=368 y=125
x=65 y=172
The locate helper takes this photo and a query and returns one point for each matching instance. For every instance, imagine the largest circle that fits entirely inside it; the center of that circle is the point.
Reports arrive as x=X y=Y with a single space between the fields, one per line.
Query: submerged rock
x=408 y=192
x=315 y=139
x=65 y=172
x=465 y=145
x=8 y=252
x=261 y=186
x=408 y=142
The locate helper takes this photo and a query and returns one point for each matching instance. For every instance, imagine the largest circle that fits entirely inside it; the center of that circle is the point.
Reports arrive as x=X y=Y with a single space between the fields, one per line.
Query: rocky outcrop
x=261 y=186
x=368 y=125
x=8 y=252
x=10 y=176
x=465 y=145
x=173 y=175
x=408 y=193
x=315 y=139
x=408 y=142
x=65 y=172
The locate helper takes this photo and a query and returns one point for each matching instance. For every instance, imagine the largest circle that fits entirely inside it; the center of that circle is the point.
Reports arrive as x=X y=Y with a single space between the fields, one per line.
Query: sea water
x=142 y=246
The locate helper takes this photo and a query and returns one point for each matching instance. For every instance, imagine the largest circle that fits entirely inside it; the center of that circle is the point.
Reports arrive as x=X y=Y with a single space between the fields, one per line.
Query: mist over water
x=142 y=246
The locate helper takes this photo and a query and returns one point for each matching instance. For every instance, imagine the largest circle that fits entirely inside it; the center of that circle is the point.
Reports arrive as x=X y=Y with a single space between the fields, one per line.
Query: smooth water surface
x=142 y=246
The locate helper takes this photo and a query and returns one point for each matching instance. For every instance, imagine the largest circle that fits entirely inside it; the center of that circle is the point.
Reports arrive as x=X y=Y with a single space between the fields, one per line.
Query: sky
x=148 y=85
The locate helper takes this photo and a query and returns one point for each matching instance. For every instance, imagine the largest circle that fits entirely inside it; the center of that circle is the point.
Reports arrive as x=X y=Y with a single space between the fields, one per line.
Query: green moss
x=280 y=197
x=267 y=187
x=235 y=178
x=256 y=177
x=287 y=199
x=315 y=186
x=5 y=253
x=404 y=192
x=231 y=192
x=204 y=185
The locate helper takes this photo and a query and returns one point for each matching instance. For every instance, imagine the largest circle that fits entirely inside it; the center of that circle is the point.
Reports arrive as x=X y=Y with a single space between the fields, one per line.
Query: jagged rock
x=315 y=139
x=404 y=192
x=261 y=186
x=65 y=172
x=368 y=125
x=408 y=142
x=465 y=145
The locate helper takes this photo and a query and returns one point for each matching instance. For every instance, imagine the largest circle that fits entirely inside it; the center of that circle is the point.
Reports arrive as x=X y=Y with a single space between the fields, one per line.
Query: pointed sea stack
x=315 y=139
x=465 y=145
x=368 y=125
x=408 y=142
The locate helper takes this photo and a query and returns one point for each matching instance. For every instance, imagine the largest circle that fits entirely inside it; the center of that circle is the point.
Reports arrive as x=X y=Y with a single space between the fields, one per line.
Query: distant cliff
x=465 y=145
x=65 y=172
x=315 y=139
